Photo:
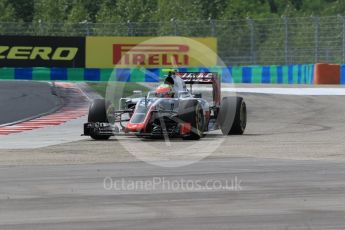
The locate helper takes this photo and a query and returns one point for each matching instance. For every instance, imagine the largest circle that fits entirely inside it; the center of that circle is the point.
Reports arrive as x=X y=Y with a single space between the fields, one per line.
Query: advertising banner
x=32 y=51
x=152 y=52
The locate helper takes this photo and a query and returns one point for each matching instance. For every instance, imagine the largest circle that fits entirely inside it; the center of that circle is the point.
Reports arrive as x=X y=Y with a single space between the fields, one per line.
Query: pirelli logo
x=150 y=54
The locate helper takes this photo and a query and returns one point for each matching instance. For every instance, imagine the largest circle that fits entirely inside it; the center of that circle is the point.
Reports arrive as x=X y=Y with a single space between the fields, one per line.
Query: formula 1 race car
x=170 y=111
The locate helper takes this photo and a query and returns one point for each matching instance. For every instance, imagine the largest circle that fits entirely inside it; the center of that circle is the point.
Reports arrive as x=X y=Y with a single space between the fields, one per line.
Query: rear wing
x=198 y=77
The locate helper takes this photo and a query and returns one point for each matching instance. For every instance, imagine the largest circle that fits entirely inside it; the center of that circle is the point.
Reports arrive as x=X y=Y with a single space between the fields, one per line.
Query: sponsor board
x=107 y=52
x=29 y=51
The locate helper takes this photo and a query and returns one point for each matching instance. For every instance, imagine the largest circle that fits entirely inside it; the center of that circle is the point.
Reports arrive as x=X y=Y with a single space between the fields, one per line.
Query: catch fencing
x=274 y=41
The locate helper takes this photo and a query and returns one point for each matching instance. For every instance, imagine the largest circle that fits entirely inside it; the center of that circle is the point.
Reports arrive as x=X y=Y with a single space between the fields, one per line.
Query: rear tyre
x=233 y=116
x=192 y=112
x=98 y=113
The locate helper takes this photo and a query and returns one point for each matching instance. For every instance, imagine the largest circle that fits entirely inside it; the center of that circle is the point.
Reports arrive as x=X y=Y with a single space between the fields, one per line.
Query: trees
x=79 y=13
x=51 y=11
x=23 y=9
x=8 y=13
x=105 y=13
x=161 y=10
x=231 y=21
x=237 y=9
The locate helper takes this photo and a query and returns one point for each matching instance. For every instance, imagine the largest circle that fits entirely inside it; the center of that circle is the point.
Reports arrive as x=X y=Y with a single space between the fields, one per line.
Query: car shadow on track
x=174 y=139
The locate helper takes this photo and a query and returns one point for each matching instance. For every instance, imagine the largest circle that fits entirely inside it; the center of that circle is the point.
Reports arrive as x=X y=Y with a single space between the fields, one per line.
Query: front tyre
x=192 y=113
x=97 y=113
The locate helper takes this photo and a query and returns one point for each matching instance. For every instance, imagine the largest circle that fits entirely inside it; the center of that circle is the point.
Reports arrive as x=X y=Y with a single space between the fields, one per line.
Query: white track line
x=288 y=91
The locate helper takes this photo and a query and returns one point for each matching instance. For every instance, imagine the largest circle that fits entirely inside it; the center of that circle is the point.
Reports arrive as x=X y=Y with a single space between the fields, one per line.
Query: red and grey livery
x=185 y=114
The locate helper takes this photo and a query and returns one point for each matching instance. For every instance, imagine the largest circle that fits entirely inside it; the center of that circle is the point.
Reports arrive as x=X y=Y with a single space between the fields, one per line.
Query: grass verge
x=128 y=88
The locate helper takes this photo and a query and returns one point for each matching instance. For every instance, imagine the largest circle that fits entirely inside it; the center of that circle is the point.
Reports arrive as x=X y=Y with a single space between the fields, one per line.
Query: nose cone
x=134 y=127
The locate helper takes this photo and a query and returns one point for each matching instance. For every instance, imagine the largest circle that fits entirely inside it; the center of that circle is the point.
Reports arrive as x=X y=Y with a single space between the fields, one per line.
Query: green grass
x=127 y=88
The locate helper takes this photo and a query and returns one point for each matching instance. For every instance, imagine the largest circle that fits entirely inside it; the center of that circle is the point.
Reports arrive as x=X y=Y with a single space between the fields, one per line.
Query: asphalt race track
x=273 y=194
x=24 y=99
x=286 y=172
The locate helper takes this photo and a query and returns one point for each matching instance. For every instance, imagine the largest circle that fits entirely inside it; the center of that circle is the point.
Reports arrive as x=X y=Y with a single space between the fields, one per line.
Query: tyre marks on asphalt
x=75 y=106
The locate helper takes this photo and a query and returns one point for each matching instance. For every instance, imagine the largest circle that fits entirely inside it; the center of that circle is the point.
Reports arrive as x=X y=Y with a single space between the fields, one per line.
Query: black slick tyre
x=192 y=112
x=97 y=113
x=232 y=117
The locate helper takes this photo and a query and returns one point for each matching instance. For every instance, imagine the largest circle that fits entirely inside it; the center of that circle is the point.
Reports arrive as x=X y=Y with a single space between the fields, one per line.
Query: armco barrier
x=287 y=74
x=290 y=74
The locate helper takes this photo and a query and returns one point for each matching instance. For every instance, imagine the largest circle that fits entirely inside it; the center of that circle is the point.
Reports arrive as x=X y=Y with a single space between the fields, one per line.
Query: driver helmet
x=165 y=90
